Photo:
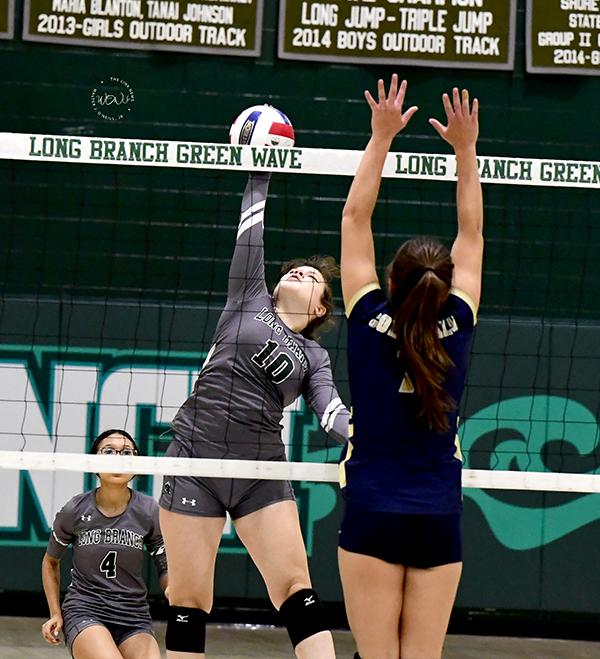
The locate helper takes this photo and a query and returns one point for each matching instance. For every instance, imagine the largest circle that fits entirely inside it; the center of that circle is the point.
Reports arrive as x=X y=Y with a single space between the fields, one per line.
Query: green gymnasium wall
x=100 y=259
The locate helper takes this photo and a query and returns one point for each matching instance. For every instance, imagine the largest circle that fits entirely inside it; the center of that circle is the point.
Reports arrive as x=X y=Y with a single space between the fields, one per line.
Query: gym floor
x=21 y=638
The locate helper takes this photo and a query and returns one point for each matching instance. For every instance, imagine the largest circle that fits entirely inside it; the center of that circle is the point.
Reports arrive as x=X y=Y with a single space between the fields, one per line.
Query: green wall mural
x=534 y=425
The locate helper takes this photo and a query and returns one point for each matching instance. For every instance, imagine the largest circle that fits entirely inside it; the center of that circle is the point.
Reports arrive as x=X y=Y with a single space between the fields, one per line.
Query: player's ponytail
x=420 y=280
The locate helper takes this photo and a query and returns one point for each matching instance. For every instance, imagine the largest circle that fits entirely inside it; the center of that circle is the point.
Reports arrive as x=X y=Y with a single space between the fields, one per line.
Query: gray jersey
x=256 y=365
x=106 y=580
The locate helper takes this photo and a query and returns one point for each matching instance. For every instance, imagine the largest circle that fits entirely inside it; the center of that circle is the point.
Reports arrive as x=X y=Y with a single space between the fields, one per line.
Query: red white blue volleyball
x=262 y=125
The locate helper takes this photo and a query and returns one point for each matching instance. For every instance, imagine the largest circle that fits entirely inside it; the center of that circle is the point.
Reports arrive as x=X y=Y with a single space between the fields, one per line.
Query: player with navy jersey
x=399 y=545
x=262 y=358
x=105 y=614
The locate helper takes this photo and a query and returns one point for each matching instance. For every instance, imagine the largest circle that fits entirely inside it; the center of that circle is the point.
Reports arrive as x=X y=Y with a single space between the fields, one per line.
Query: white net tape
x=337 y=162
x=293 y=471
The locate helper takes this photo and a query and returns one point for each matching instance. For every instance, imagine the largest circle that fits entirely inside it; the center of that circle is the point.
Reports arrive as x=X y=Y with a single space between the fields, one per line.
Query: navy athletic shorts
x=75 y=623
x=413 y=540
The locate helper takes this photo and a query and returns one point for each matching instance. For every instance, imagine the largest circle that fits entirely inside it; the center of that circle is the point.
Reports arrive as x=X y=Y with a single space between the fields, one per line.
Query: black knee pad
x=186 y=629
x=303 y=615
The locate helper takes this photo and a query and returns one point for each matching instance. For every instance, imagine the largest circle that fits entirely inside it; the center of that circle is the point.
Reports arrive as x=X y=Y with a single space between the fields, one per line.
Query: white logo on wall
x=112 y=99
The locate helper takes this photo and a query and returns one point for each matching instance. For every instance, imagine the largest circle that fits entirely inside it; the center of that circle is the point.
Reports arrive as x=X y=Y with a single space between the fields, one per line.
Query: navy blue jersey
x=257 y=365
x=108 y=552
x=394 y=462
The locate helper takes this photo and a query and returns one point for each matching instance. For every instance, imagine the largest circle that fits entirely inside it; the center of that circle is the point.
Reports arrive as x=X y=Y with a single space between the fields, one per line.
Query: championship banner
x=563 y=36
x=7 y=19
x=466 y=34
x=340 y=162
x=222 y=27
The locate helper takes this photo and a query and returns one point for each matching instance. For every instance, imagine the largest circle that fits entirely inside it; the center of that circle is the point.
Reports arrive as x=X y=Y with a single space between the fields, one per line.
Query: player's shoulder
x=367 y=299
x=314 y=352
x=144 y=502
x=262 y=303
x=82 y=499
x=76 y=504
x=463 y=305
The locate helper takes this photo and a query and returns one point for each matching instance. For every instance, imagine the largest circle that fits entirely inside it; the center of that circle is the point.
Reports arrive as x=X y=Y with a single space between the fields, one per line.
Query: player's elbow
x=50 y=562
x=347 y=216
x=352 y=218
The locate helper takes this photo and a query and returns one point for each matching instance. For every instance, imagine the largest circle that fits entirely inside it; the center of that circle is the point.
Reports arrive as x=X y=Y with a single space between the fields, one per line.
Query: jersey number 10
x=279 y=367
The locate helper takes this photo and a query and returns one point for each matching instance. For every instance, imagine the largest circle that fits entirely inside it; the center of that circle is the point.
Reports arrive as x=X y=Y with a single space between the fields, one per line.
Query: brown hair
x=420 y=279
x=327 y=266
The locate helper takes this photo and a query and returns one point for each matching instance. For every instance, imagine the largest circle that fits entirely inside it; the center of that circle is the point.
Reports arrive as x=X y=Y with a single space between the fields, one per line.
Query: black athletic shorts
x=413 y=540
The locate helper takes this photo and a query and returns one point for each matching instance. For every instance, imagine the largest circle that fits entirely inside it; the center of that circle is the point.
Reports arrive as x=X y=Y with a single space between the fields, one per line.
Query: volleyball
x=262 y=125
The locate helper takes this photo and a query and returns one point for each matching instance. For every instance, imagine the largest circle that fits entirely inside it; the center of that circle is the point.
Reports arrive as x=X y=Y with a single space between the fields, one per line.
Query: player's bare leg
x=191 y=544
x=373 y=596
x=429 y=595
x=95 y=642
x=140 y=646
x=273 y=538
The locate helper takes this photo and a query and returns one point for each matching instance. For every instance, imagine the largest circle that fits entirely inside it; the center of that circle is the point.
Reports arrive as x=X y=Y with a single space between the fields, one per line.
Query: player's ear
x=320 y=311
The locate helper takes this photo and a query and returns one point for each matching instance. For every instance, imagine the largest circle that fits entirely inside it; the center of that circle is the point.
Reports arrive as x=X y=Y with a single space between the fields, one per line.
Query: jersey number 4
x=277 y=367
x=109 y=565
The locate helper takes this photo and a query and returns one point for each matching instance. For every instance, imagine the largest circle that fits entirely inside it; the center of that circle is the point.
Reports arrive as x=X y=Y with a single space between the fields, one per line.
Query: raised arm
x=247 y=270
x=461 y=133
x=358 y=252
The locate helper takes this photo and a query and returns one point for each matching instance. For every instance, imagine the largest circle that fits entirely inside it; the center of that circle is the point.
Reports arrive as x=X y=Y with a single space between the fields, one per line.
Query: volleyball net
x=115 y=257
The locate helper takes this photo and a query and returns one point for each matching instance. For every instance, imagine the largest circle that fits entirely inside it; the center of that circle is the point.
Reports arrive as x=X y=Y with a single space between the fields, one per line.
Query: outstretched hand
x=388 y=119
x=463 y=124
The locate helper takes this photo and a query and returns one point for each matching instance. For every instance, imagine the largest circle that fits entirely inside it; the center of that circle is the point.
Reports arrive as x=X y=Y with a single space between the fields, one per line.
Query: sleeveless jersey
x=256 y=365
x=394 y=462
x=106 y=579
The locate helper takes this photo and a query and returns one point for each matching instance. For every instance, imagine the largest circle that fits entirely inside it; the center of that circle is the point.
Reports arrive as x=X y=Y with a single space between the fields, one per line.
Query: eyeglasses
x=109 y=450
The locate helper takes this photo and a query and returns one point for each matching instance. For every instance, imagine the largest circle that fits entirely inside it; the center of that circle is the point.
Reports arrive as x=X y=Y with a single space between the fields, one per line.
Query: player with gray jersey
x=107 y=591
x=257 y=365
x=107 y=557
x=262 y=359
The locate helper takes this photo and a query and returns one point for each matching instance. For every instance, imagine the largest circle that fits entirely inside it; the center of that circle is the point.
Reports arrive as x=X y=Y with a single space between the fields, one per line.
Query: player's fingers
x=475 y=112
x=394 y=88
x=409 y=113
x=447 y=105
x=401 y=94
x=381 y=90
x=370 y=100
x=456 y=100
x=441 y=129
x=465 y=102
